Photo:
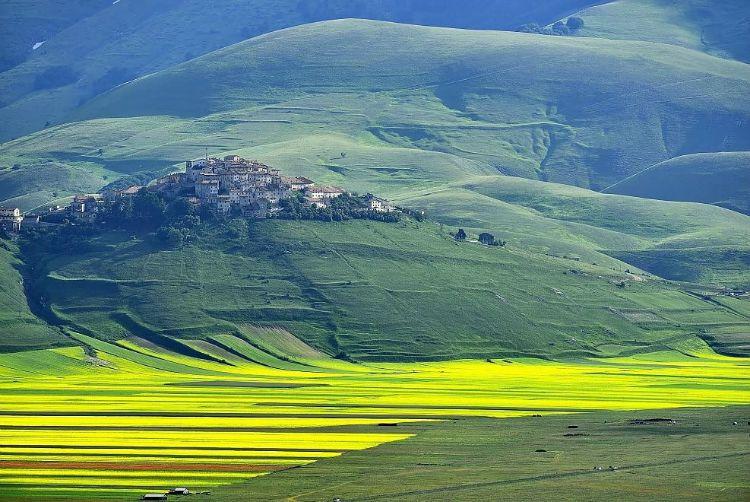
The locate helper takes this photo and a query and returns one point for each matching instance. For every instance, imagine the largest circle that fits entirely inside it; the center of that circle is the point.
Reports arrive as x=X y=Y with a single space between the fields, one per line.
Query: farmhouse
x=11 y=218
x=378 y=204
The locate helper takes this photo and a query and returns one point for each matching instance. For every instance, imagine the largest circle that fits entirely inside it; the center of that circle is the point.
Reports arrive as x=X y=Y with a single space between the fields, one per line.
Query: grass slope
x=680 y=241
x=461 y=100
x=720 y=178
x=107 y=43
x=630 y=111
x=26 y=23
x=19 y=328
x=369 y=291
x=718 y=28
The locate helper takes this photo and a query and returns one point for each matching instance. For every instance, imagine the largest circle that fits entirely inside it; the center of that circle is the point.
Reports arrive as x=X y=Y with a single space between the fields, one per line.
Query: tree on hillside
x=487 y=239
x=560 y=28
x=170 y=236
x=148 y=207
x=180 y=207
x=460 y=235
x=530 y=28
x=574 y=23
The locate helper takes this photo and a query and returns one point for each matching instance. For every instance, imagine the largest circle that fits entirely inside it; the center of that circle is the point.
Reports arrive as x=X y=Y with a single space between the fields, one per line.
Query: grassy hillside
x=369 y=291
x=421 y=136
x=720 y=178
x=26 y=23
x=631 y=111
x=100 y=44
x=19 y=328
x=718 y=28
x=686 y=242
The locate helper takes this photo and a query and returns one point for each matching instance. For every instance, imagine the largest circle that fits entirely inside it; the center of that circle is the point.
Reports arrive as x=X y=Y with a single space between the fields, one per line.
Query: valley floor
x=116 y=422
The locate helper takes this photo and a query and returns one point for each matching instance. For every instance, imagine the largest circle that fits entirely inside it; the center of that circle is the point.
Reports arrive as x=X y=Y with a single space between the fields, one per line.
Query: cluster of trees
x=572 y=25
x=342 y=208
x=174 y=222
x=146 y=211
x=484 y=238
x=62 y=239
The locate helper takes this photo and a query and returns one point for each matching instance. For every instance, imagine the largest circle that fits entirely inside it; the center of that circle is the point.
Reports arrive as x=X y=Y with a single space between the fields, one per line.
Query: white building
x=317 y=194
x=11 y=218
x=378 y=204
x=299 y=183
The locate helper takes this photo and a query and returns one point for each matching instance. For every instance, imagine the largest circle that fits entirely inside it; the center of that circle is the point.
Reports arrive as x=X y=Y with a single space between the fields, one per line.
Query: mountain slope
x=131 y=38
x=367 y=290
x=717 y=28
x=638 y=104
x=720 y=178
x=27 y=23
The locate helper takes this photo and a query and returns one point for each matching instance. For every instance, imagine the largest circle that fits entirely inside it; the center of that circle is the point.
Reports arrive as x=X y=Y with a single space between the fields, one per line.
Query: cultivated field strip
x=119 y=424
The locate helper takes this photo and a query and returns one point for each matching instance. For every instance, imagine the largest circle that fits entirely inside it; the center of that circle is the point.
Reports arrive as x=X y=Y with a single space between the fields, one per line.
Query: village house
x=299 y=183
x=378 y=204
x=321 y=196
x=112 y=195
x=11 y=218
x=131 y=191
x=85 y=205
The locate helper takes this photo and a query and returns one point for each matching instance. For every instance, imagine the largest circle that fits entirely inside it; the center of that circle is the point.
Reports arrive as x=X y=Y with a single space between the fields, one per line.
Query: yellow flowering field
x=118 y=425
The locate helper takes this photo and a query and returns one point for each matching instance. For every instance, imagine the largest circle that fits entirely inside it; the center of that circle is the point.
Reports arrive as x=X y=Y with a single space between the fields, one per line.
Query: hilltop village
x=229 y=186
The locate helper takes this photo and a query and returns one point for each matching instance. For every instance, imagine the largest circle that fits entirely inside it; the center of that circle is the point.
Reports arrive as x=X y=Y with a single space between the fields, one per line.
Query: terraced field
x=112 y=421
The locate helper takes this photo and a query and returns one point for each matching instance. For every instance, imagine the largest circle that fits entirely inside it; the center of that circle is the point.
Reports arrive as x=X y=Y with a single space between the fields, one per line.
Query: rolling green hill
x=461 y=99
x=720 y=178
x=439 y=136
x=420 y=136
x=93 y=46
x=369 y=291
x=629 y=112
x=718 y=28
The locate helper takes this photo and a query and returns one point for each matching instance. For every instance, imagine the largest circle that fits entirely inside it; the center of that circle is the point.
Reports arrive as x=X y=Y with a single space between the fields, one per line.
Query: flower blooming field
x=134 y=419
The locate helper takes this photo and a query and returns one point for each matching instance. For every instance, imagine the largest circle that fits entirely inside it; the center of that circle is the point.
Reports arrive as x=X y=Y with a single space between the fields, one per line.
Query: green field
x=114 y=421
x=600 y=353
x=701 y=457
x=368 y=291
